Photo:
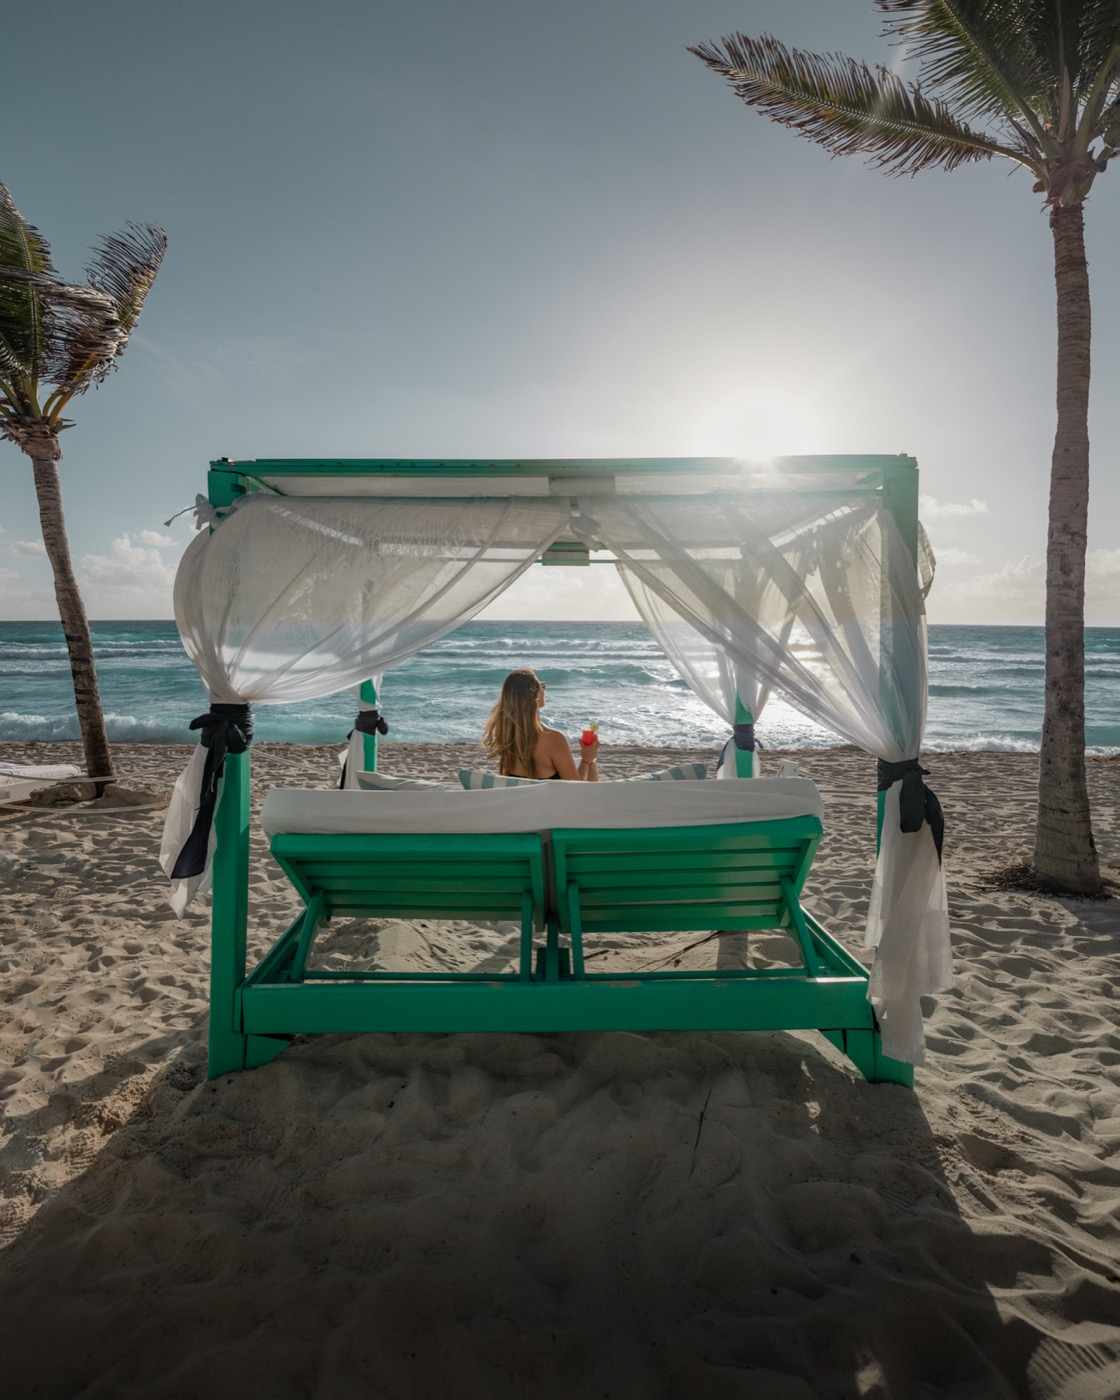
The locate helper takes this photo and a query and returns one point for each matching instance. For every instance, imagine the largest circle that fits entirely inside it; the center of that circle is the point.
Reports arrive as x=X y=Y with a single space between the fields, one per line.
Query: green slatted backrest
x=727 y=876
x=438 y=877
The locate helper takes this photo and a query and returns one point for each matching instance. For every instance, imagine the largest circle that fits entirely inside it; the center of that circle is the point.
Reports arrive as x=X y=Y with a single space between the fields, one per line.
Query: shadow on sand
x=511 y=1215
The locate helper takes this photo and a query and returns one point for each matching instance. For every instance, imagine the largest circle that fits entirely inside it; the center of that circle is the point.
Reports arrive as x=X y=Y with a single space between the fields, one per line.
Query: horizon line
x=494 y=621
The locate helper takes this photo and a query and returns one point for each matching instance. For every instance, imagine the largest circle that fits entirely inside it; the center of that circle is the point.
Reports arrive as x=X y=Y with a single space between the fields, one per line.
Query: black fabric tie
x=367 y=722
x=916 y=803
x=743 y=739
x=225 y=729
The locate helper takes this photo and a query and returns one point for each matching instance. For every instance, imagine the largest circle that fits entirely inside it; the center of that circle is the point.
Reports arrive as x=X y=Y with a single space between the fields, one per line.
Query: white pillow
x=383 y=782
x=472 y=778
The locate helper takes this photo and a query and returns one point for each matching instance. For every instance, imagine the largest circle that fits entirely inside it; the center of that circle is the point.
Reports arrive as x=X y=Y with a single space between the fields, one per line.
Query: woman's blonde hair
x=514 y=725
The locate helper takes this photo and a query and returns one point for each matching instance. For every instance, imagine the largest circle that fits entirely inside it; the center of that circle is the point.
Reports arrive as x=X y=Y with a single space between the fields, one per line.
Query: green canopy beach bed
x=805 y=577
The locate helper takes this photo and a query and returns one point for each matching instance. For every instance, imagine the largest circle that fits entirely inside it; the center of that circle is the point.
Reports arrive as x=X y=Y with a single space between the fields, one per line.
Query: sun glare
x=765 y=419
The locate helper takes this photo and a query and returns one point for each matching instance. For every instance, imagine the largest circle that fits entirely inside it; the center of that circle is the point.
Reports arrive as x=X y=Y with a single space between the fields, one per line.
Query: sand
x=553 y=1216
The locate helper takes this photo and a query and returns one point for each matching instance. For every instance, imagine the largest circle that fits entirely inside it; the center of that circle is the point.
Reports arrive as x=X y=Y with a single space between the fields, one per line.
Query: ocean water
x=985 y=688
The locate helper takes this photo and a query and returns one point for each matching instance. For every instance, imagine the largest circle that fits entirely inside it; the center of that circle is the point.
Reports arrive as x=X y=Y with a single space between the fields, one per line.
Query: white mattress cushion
x=540 y=807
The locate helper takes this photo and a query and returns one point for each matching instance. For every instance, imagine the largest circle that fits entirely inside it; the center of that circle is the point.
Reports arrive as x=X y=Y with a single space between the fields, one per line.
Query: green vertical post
x=368 y=693
x=744 y=758
x=229 y=913
x=229 y=918
x=223 y=487
x=900 y=500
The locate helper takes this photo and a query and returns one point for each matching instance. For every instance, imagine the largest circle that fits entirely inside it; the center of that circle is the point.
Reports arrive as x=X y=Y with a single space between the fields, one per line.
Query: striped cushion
x=473 y=778
x=383 y=782
x=686 y=771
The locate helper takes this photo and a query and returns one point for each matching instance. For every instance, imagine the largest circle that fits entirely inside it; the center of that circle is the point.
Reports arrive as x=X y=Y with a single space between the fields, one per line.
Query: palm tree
x=1035 y=82
x=56 y=340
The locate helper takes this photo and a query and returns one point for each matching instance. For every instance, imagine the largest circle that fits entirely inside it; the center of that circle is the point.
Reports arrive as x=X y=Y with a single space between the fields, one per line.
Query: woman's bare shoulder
x=555 y=742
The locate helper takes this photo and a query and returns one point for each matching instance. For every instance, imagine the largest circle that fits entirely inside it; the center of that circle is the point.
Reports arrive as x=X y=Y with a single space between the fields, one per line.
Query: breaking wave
x=985 y=688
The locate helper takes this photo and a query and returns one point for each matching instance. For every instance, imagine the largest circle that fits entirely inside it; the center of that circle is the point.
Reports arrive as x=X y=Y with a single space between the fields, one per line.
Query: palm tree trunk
x=87 y=699
x=1064 y=851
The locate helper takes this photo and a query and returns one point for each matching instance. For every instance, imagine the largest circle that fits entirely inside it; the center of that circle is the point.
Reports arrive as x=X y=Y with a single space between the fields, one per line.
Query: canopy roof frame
x=232 y=477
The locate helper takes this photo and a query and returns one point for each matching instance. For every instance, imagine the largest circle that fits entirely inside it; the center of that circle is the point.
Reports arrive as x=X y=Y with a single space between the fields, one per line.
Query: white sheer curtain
x=855 y=661
x=292 y=599
x=712 y=674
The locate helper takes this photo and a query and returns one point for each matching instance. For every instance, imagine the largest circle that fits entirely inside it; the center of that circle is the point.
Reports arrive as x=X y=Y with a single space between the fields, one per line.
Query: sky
x=515 y=229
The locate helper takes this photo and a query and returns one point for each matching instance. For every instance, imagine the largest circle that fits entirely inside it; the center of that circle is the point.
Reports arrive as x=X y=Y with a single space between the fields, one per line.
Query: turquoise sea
x=985 y=687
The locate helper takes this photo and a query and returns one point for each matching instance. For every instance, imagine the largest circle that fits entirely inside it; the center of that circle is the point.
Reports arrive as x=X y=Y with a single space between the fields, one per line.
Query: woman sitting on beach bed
x=516 y=739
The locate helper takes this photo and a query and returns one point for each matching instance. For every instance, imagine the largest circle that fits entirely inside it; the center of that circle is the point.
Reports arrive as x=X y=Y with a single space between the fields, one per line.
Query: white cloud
x=131 y=568
x=1013 y=595
x=22 y=603
x=1016 y=593
x=132 y=578
x=1102 y=566
x=591 y=594
x=1021 y=578
x=29 y=547
x=954 y=558
x=930 y=508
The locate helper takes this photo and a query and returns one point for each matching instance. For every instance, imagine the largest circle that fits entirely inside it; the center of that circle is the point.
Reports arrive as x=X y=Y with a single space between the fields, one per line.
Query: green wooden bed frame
x=730 y=877
x=734 y=876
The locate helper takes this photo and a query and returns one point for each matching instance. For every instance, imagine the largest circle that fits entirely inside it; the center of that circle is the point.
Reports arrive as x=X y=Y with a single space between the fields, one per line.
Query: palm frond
x=85 y=336
x=974 y=55
x=1072 y=40
x=12 y=368
x=96 y=331
x=848 y=107
x=1109 y=125
x=81 y=327
x=1100 y=115
x=22 y=331
x=21 y=243
x=124 y=267
x=1100 y=37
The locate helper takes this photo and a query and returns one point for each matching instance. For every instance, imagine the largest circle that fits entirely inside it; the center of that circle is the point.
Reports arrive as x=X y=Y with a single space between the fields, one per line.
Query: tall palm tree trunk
x=45 y=453
x=1064 y=850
